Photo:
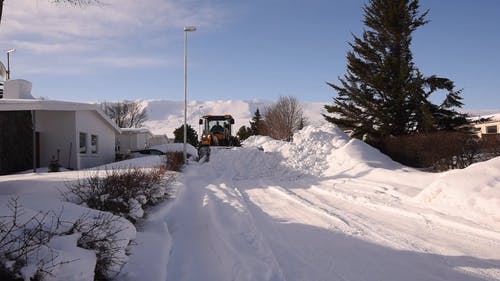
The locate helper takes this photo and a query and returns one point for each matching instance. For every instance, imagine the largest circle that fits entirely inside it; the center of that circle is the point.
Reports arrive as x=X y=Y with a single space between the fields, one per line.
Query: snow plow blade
x=203 y=154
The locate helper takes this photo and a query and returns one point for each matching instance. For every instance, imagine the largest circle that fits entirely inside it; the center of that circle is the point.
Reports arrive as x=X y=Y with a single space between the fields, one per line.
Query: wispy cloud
x=128 y=62
x=105 y=33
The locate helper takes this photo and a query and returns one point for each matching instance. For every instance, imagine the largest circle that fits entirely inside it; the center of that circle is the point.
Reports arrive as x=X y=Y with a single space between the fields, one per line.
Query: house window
x=491 y=129
x=83 y=143
x=93 y=144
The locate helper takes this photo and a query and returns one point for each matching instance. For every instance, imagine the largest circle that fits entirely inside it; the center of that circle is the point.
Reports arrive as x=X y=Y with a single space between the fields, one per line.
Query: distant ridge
x=164 y=116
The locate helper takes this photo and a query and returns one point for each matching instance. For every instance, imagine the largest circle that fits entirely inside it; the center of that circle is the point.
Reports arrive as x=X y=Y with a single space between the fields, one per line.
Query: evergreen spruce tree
x=383 y=92
x=192 y=136
x=256 y=123
x=244 y=132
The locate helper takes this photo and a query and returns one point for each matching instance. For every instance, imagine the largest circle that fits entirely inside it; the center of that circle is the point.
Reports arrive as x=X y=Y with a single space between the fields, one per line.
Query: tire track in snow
x=252 y=208
x=356 y=222
x=407 y=240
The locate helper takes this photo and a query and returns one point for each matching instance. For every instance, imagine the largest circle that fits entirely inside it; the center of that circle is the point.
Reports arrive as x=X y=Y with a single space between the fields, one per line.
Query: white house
x=80 y=135
x=132 y=139
x=490 y=127
x=159 y=140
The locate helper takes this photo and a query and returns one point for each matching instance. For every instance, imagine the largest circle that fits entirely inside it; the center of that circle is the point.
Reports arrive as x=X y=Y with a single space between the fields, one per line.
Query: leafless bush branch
x=174 y=161
x=283 y=119
x=24 y=238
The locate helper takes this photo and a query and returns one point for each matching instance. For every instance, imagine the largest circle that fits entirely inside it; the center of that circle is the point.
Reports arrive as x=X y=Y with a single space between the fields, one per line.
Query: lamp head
x=189 y=28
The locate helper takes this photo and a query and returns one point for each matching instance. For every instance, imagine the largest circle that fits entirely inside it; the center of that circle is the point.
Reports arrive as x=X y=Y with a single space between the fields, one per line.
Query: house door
x=37 y=149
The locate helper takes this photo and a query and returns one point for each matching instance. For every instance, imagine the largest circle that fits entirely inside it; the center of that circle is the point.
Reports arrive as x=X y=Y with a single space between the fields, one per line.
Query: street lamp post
x=199 y=117
x=8 y=62
x=186 y=30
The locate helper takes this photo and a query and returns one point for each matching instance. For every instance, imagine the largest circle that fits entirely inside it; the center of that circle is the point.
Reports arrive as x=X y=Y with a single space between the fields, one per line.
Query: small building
x=132 y=139
x=159 y=140
x=78 y=135
x=488 y=128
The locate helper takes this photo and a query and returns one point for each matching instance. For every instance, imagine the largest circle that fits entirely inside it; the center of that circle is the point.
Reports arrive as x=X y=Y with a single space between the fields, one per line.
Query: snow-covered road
x=246 y=216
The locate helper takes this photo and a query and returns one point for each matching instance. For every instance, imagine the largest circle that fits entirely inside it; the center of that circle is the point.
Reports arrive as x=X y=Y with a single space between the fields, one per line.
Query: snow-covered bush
x=40 y=246
x=101 y=233
x=121 y=192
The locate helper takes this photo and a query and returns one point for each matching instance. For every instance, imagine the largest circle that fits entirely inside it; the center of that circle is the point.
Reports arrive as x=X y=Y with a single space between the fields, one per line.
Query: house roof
x=136 y=130
x=54 y=105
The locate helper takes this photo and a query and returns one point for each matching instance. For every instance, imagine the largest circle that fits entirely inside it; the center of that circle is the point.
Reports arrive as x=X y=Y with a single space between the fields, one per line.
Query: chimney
x=17 y=89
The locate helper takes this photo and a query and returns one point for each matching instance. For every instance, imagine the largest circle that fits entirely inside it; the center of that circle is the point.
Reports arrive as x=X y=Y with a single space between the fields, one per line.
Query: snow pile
x=246 y=164
x=175 y=147
x=67 y=255
x=307 y=153
x=357 y=156
x=474 y=191
x=140 y=162
x=324 y=150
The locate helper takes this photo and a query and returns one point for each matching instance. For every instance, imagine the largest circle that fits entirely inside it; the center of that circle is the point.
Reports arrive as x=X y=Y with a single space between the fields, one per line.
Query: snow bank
x=307 y=153
x=474 y=191
x=357 y=156
x=324 y=150
x=140 y=162
x=176 y=147
x=246 y=164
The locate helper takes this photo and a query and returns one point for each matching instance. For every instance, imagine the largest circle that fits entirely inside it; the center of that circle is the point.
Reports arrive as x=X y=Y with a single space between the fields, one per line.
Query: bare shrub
x=437 y=151
x=126 y=114
x=174 y=161
x=121 y=192
x=283 y=118
x=489 y=146
x=101 y=233
x=20 y=236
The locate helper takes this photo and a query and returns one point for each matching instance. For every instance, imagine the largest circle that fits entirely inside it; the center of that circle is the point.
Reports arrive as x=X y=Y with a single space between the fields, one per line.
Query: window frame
x=94 y=149
x=492 y=129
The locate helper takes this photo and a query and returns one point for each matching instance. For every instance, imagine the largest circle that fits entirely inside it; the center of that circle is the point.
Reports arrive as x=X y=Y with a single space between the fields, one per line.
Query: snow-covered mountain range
x=164 y=116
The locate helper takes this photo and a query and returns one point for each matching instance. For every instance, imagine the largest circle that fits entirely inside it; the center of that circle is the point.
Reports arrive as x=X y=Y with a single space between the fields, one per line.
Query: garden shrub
x=438 y=151
x=121 y=192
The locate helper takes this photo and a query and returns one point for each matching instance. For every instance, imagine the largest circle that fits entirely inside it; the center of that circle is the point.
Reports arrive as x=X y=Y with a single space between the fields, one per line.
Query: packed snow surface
x=326 y=207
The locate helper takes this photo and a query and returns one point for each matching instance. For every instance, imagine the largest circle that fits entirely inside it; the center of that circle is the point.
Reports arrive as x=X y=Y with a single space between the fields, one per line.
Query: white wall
x=126 y=141
x=143 y=140
x=133 y=141
x=89 y=122
x=57 y=131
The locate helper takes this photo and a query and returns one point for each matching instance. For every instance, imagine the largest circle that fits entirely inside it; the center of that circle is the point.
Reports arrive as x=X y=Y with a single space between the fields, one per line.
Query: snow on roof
x=175 y=147
x=54 y=105
x=136 y=130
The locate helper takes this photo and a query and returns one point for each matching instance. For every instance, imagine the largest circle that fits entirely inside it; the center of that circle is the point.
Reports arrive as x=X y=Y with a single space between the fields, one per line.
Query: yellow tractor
x=216 y=132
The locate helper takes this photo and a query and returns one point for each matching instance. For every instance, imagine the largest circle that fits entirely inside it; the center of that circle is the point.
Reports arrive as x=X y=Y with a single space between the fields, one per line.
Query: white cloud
x=114 y=29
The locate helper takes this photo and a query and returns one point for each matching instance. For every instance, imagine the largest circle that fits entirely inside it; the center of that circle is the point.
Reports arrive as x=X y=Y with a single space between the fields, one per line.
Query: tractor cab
x=217 y=131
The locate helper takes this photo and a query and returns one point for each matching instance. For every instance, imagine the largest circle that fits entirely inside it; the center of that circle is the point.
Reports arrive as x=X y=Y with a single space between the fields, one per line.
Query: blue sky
x=259 y=49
